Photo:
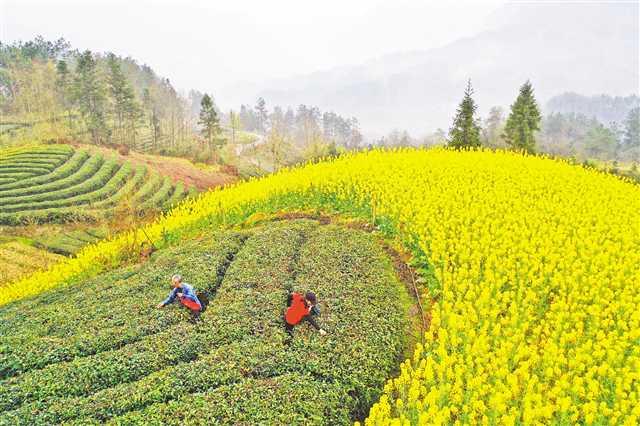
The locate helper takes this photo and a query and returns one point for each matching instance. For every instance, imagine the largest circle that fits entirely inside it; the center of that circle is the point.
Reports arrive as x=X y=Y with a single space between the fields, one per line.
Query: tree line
x=286 y=136
x=106 y=99
x=567 y=134
x=98 y=98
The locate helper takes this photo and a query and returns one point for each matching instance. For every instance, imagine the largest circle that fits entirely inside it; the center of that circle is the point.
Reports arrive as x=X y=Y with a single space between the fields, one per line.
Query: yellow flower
x=537 y=264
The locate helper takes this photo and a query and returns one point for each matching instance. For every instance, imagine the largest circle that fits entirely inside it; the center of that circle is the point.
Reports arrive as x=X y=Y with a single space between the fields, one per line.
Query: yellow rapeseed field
x=537 y=318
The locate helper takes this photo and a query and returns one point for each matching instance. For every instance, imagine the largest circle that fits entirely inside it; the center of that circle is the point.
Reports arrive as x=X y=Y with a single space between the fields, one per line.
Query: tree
x=154 y=121
x=89 y=93
x=437 y=138
x=307 y=122
x=492 y=133
x=465 y=132
x=600 y=142
x=277 y=139
x=63 y=87
x=248 y=118
x=631 y=138
x=234 y=123
x=523 y=121
x=261 y=116
x=405 y=140
x=126 y=111
x=355 y=138
x=209 y=120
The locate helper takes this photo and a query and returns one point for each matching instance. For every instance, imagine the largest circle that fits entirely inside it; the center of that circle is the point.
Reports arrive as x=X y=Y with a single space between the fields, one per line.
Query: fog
x=392 y=64
x=209 y=45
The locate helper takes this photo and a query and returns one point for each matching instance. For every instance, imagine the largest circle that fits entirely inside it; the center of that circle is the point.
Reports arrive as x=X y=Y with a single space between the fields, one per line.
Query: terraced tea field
x=68 y=243
x=18 y=259
x=91 y=354
x=57 y=184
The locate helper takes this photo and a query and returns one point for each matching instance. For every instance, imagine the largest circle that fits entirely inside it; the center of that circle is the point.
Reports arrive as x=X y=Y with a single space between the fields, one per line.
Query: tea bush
x=101 y=352
x=58 y=184
x=536 y=260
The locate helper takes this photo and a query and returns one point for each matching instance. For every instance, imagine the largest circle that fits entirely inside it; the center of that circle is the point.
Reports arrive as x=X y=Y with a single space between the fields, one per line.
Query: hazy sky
x=211 y=44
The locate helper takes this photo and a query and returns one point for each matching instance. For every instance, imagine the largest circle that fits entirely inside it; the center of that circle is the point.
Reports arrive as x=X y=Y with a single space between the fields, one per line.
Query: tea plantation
x=101 y=352
x=55 y=183
x=17 y=259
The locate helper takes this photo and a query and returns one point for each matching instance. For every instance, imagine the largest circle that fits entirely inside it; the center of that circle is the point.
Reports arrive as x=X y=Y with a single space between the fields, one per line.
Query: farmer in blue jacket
x=186 y=294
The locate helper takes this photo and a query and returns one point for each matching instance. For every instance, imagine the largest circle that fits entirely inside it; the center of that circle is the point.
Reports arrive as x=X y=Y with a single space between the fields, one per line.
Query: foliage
x=209 y=120
x=536 y=261
x=127 y=112
x=69 y=243
x=58 y=93
x=124 y=361
x=604 y=108
x=304 y=126
x=17 y=259
x=493 y=129
x=523 y=121
x=59 y=185
x=90 y=94
x=465 y=131
x=600 y=142
x=631 y=140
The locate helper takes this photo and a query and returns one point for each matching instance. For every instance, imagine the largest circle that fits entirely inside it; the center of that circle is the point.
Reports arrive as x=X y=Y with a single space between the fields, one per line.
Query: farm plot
x=70 y=242
x=58 y=184
x=17 y=259
x=90 y=354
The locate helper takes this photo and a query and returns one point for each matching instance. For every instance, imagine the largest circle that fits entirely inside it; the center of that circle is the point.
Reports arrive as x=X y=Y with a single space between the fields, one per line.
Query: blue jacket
x=187 y=291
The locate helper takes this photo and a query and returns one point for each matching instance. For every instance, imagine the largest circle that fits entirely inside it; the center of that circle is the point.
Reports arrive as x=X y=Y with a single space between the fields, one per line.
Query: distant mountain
x=586 y=48
x=604 y=108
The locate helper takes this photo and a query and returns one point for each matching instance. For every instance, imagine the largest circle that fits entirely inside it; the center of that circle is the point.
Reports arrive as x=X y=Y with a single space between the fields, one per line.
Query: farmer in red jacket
x=302 y=308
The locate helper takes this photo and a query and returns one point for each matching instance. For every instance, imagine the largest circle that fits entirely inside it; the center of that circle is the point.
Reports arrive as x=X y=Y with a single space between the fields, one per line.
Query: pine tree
x=126 y=110
x=209 y=120
x=492 y=132
x=63 y=87
x=153 y=118
x=631 y=138
x=262 y=116
x=465 y=132
x=523 y=121
x=89 y=93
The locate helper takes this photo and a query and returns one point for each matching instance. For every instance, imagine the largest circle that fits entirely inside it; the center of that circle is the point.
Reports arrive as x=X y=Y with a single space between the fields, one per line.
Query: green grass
x=99 y=351
x=69 y=243
x=19 y=257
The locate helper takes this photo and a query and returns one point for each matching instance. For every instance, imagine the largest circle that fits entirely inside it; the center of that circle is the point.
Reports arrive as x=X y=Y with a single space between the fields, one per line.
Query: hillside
x=59 y=184
x=523 y=262
x=200 y=177
x=89 y=353
x=559 y=47
x=57 y=199
x=18 y=259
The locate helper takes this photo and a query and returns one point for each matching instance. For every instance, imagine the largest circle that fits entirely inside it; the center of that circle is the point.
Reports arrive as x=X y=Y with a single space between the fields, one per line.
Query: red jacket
x=297 y=310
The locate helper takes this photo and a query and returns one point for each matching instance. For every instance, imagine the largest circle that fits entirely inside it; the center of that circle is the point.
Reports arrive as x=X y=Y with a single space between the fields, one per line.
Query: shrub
x=36 y=184
x=141 y=363
x=92 y=181
x=161 y=195
x=529 y=253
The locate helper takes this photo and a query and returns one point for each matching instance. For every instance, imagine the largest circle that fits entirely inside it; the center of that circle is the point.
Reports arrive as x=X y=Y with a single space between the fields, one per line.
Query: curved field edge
x=118 y=359
x=475 y=256
x=80 y=187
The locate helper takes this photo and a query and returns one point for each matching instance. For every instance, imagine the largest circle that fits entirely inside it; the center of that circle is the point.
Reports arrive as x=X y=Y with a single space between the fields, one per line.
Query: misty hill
x=586 y=48
x=606 y=109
